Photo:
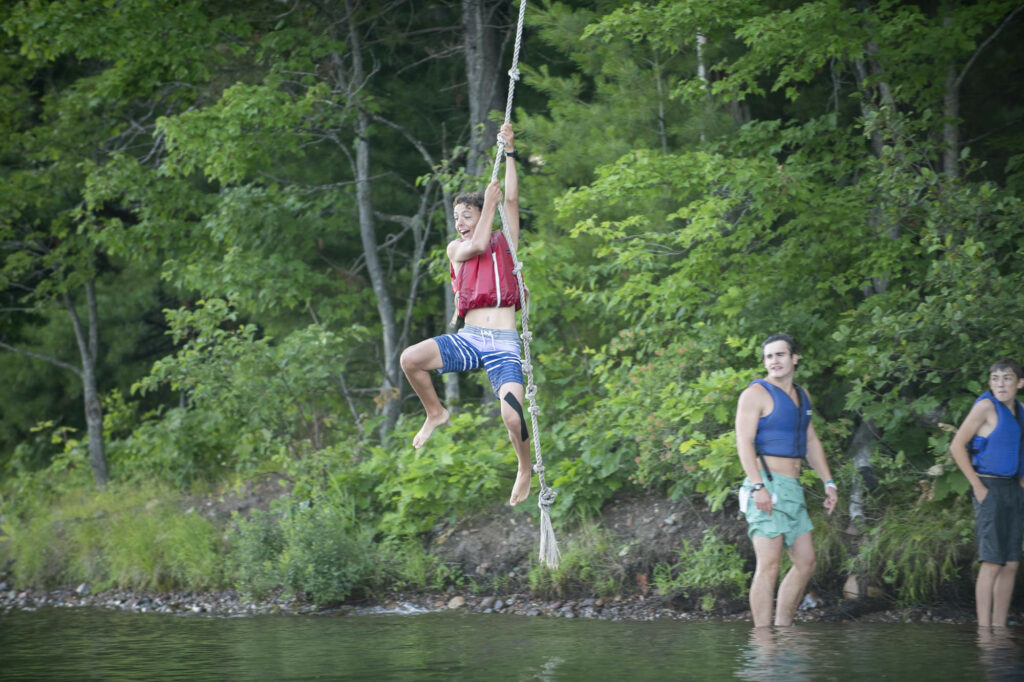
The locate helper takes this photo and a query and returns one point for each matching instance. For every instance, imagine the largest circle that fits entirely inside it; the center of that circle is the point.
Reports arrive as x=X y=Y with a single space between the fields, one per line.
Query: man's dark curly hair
x=793 y=349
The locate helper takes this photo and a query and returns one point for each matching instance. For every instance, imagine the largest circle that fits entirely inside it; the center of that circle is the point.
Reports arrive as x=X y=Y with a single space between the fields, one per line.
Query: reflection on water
x=1000 y=653
x=782 y=653
x=869 y=651
x=99 y=645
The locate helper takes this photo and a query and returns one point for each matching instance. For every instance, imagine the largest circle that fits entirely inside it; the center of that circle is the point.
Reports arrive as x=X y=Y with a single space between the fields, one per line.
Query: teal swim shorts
x=789 y=516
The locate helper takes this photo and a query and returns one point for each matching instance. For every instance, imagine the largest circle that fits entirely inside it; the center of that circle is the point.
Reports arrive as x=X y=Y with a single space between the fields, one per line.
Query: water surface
x=91 y=644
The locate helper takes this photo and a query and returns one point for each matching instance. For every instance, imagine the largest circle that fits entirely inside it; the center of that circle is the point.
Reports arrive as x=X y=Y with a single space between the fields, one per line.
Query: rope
x=549 y=553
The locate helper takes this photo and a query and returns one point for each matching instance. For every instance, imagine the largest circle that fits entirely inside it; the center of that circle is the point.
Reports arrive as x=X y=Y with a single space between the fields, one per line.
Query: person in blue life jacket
x=989 y=450
x=774 y=435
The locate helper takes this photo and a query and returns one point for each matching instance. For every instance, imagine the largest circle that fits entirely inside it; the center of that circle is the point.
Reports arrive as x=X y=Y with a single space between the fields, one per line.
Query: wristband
x=831 y=483
x=757 y=486
x=513 y=154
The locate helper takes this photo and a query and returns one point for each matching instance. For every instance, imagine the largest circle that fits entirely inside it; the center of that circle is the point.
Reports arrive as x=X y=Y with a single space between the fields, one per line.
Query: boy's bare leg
x=513 y=422
x=1002 y=593
x=793 y=585
x=983 y=588
x=766 y=574
x=417 y=363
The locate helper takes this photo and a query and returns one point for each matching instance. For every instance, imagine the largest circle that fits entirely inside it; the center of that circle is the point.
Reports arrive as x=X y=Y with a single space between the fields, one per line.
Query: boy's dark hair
x=1007 y=364
x=790 y=341
x=470 y=199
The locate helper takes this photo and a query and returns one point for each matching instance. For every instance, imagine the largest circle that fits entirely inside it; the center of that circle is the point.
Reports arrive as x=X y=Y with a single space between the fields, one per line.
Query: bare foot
x=521 y=490
x=429 y=424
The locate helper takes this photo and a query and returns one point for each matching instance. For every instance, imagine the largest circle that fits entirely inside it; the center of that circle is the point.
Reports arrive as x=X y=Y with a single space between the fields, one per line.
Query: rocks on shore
x=212 y=603
x=629 y=608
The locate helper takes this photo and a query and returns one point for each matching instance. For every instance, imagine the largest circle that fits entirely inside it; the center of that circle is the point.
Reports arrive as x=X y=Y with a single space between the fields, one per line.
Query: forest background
x=221 y=223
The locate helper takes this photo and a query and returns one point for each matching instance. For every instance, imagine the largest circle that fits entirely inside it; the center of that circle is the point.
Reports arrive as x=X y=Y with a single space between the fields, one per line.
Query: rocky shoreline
x=631 y=608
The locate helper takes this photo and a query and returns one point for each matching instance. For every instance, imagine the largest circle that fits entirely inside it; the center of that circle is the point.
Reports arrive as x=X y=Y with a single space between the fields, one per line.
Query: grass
x=589 y=565
x=917 y=550
x=134 y=538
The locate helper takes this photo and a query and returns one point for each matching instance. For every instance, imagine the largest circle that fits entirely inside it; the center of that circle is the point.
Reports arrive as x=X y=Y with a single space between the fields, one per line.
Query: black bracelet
x=514 y=154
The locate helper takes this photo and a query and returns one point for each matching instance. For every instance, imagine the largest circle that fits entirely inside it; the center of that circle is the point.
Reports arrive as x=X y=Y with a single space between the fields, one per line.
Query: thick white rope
x=549 y=553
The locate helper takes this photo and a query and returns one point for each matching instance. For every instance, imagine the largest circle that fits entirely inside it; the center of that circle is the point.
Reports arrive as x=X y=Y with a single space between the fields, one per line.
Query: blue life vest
x=783 y=432
x=999 y=453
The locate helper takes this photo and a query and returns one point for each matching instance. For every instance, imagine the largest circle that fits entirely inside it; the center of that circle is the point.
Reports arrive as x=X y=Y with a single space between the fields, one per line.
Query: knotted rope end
x=549 y=553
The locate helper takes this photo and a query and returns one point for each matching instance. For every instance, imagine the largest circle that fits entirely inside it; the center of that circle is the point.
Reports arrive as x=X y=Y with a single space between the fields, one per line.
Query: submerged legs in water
x=993 y=592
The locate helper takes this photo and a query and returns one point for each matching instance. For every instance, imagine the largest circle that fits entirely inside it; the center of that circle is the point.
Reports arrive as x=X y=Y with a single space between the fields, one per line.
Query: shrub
x=409 y=566
x=256 y=544
x=588 y=565
x=326 y=554
x=918 y=549
x=713 y=570
x=315 y=547
x=465 y=466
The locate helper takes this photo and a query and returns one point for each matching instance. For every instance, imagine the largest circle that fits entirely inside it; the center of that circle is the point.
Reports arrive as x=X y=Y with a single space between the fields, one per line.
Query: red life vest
x=475 y=287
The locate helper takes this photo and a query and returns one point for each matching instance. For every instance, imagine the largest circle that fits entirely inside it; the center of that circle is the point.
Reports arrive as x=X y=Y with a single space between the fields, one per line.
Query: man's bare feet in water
x=521 y=490
x=429 y=424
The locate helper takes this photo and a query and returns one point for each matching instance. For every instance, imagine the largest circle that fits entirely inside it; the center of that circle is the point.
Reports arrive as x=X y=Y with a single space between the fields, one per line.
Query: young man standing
x=487 y=297
x=773 y=425
x=994 y=432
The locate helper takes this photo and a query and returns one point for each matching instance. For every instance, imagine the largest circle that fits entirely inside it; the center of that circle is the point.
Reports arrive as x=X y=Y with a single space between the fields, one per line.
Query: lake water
x=91 y=644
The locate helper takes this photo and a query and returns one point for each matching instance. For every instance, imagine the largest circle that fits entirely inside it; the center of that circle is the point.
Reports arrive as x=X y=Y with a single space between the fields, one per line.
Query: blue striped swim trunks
x=496 y=350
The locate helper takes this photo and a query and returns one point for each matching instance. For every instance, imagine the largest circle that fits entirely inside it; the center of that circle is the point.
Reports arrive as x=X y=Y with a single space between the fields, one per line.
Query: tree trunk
x=483 y=78
x=873 y=99
x=860 y=453
x=390 y=386
x=385 y=309
x=88 y=349
x=950 y=111
x=702 y=72
x=950 y=127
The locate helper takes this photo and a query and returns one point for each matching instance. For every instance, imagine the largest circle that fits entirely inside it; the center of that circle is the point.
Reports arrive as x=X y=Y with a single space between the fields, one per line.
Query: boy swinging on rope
x=487 y=296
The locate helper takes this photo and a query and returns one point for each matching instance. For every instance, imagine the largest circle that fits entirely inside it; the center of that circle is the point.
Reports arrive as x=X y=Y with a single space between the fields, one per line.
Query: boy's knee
x=408 y=359
x=805 y=562
x=768 y=564
x=766 y=573
x=512 y=415
x=511 y=419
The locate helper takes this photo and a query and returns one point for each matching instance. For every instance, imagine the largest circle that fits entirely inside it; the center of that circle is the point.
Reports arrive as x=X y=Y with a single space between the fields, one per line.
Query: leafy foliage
x=917 y=550
x=696 y=177
x=256 y=544
x=408 y=565
x=715 y=569
x=588 y=564
x=315 y=548
x=464 y=466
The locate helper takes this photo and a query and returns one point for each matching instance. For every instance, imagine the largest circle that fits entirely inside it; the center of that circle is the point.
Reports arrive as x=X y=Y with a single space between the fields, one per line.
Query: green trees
x=820 y=199
x=76 y=99
x=285 y=163
x=264 y=188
